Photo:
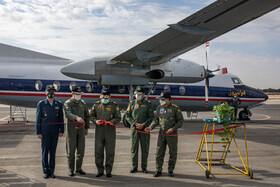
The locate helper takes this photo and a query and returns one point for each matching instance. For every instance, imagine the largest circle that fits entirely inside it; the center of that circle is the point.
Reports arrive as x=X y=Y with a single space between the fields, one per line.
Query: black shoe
x=157 y=174
x=171 y=174
x=99 y=174
x=109 y=175
x=144 y=171
x=133 y=170
x=81 y=172
x=52 y=175
x=71 y=173
x=46 y=176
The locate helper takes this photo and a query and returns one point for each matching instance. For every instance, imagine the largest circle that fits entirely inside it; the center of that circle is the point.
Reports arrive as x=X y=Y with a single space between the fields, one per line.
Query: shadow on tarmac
x=164 y=180
x=8 y=178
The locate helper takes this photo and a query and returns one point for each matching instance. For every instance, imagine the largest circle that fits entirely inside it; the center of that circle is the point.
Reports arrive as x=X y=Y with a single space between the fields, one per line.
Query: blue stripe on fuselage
x=191 y=90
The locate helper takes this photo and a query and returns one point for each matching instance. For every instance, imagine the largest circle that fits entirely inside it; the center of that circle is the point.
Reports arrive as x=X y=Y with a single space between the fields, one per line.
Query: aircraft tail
x=8 y=51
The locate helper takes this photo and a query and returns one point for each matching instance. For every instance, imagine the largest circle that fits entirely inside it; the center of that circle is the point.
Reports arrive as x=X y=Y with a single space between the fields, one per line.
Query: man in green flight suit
x=170 y=118
x=105 y=134
x=139 y=115
x=77 y=127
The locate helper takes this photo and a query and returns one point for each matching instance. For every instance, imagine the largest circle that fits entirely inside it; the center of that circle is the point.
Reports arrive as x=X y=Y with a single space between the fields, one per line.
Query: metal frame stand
x=222 y=160
x=17 y=112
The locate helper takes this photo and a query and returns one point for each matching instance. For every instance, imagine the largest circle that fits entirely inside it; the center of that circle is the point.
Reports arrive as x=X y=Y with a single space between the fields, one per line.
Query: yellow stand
x=209 y=153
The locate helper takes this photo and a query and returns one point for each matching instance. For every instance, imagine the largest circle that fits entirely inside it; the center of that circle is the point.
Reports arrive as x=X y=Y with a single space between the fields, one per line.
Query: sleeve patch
x=174 y=105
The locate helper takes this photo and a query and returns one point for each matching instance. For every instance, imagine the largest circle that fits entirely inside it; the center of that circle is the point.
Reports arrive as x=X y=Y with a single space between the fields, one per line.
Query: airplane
x=151 y=64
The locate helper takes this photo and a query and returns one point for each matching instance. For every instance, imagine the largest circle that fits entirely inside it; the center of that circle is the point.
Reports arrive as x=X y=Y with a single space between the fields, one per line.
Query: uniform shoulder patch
x=83 y=101
x=67 y=102
x=41 y=101
x=97 y=102
x=175 y=105
x=115 y=102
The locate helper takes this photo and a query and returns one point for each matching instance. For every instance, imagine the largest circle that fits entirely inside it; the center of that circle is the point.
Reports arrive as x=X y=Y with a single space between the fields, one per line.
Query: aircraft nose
x=265 y=96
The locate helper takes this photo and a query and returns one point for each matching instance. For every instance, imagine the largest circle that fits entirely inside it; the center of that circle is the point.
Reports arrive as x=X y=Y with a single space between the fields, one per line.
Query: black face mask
x=50 y=95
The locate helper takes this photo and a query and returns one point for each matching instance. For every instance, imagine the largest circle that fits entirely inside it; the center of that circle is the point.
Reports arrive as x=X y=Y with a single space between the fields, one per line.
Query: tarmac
x=20 y=156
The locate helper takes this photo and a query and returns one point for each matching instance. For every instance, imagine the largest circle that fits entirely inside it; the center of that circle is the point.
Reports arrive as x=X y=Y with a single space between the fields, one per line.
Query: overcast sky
x=82 y=29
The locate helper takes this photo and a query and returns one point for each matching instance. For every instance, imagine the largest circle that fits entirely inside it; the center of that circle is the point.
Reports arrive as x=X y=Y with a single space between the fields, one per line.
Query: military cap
x=105 y=93
x=164 y=95
x=50 y=87
x=77 y=90
x=139 y=90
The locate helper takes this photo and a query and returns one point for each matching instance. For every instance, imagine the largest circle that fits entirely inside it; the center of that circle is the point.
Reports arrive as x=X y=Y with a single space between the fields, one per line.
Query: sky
x=83 y=29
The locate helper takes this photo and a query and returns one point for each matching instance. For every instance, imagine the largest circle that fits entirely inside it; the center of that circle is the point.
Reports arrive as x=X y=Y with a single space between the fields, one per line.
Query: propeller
x=210 y=74
x=207 y=76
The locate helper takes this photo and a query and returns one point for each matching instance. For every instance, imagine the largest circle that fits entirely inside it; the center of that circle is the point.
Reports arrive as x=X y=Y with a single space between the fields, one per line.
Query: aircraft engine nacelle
x=178 y=71
x=106 y=73
x=102 y=70
x=155 y=74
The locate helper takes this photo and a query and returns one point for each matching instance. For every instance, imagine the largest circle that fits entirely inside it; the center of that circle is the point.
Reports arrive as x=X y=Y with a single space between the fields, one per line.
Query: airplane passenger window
x=72 y=84
x=56 y=85
x=236 y=81
x=89 y=87
x=121 y=89
x=182 y=90
x=167 y=88
x=38 y=85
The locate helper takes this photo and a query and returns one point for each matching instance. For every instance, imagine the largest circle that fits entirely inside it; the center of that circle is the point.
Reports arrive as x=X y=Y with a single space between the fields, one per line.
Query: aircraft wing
x=202 y=26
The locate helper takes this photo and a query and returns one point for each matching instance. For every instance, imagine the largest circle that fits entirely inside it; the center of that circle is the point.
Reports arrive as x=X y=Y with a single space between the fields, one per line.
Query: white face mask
x=105 y=101
x=138 y=97
x=162 y=102
x=77 y=97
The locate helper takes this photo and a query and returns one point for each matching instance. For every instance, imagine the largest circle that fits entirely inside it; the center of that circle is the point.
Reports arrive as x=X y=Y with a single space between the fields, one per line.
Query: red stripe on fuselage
x=125 y=97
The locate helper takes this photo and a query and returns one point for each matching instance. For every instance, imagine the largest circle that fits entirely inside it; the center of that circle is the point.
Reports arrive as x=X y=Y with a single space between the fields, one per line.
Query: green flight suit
x=75 y=138
x=105 y=136
x=141 y=113
x=167 y=117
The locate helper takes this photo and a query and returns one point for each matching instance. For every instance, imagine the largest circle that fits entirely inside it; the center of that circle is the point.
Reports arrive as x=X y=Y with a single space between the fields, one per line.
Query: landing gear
x=244 y=114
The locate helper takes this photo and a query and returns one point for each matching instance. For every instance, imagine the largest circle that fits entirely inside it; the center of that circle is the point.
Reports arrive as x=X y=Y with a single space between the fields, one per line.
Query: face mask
x=50 y=95
x=162 y=102
x=138 y=97
x=77 y=97
x=105 y=101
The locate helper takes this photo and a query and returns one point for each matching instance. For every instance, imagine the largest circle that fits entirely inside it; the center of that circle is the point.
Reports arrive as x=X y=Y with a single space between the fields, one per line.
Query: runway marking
x=5 y=118
x=266 y=117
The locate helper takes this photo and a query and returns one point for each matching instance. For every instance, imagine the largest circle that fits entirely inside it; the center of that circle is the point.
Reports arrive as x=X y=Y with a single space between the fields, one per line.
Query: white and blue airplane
x=151 y=64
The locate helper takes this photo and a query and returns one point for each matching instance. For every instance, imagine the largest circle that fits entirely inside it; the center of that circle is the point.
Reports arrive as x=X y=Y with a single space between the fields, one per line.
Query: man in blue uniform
x=49 y=126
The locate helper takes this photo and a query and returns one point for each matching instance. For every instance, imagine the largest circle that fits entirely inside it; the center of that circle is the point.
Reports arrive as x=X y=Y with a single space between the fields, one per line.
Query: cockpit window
x=236 y=81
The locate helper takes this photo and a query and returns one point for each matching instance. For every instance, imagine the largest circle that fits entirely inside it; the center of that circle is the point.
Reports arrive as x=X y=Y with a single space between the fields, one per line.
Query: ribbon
x=103 y=122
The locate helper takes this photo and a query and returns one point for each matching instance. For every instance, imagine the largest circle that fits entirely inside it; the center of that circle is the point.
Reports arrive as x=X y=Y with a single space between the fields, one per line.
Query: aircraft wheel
x=243 y=115
x=125 y=122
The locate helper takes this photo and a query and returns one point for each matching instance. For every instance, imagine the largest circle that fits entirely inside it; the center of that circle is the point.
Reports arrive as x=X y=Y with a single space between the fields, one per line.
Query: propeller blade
x=207 y=76
x=206 y=91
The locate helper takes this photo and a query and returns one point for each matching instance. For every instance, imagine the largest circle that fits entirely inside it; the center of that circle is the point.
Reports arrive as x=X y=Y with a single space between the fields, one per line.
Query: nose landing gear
x=245 y=114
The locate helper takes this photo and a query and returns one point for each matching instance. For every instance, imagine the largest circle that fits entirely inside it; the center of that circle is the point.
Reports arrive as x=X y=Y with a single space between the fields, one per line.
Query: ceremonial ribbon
x=20 y=125
x=103 y=122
